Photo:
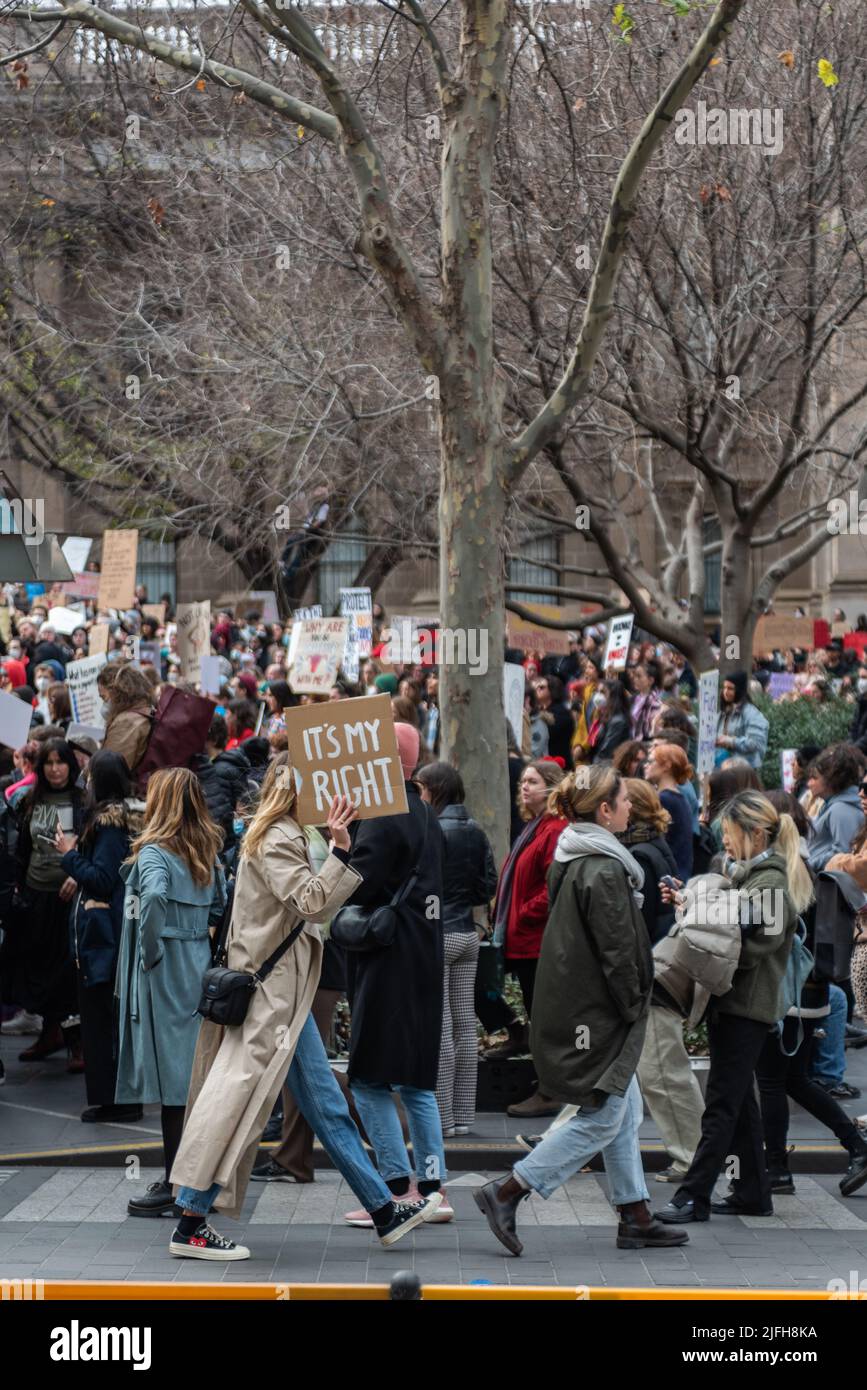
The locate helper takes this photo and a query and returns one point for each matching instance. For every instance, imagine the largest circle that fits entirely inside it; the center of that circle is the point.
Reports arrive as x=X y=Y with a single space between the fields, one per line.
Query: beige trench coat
x=238 y=1072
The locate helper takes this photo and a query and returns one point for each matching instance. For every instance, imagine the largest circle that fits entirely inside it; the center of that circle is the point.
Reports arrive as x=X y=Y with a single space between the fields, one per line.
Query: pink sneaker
x=442 y=1213
x=359 y=1218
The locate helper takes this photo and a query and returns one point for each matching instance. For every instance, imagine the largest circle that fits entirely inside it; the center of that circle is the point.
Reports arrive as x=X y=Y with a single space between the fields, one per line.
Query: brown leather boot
x=638 y=1230
x=50 y=1040
x=535 y=1107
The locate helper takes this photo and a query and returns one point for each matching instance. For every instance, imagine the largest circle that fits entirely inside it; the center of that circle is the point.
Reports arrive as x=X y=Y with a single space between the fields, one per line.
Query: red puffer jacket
x=528 y=910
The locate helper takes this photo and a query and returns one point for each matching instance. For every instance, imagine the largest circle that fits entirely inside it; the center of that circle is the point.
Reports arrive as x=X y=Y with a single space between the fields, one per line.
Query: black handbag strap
x=407 y=886
x=219 y=956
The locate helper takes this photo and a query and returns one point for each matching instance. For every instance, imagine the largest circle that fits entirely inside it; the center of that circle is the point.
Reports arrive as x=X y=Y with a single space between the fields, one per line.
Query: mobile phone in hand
x=669 y=882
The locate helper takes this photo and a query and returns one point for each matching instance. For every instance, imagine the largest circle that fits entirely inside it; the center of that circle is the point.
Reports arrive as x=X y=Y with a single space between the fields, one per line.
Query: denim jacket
x=749 y=728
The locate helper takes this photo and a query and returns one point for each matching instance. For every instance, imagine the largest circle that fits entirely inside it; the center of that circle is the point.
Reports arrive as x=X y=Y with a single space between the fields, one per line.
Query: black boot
x=156 y=1201
x=779 y=1176
x=856 y=1174
x=637 y=1229
x=498 y=1202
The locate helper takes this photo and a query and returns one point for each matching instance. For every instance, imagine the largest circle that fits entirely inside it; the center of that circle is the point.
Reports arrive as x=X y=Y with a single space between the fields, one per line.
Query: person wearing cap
x=742 y=729
x=396 y=995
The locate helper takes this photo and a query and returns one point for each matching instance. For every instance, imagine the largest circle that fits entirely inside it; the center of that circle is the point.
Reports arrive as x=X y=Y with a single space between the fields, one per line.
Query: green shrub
x=796 y=722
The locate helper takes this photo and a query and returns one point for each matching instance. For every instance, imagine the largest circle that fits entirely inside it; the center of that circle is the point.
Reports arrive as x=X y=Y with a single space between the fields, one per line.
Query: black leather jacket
x=469 y=871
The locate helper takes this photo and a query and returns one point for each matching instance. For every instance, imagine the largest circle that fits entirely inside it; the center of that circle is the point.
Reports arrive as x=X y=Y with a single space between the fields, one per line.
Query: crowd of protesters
x=119 y=880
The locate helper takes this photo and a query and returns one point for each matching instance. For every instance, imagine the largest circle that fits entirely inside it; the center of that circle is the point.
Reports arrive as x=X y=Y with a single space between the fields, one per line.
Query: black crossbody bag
x=226 y=994
x=373 y=928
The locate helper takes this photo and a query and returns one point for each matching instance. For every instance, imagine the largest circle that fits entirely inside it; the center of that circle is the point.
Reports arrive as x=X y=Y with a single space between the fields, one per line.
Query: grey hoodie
x=835 y=828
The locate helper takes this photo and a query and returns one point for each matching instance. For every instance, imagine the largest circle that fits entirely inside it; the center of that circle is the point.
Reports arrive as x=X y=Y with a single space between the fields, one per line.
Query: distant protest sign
x=617 y=646
x=356 y=605
x=781 y=683
x=15 y=718
x=788 y=758
x=514 y=685
x=318 y=653
x=65 y=620
x=76 y=549
x=98 y=639
x=211 y=679
x=194 y=637
x=708 y=718
x=81 y=678
x=531 y=637
x=345 y=748
x=779 y=634
x=299 y=616
x=82 y=585
x=117 y=569
x=157 y=611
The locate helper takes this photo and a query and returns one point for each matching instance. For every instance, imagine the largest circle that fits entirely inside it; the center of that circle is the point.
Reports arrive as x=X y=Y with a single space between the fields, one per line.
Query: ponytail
x=788 y=843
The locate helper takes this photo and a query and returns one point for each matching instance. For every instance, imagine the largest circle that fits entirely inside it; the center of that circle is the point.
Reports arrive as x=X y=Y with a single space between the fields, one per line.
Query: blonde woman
x=764 y=863
x=592 y=995
x=238 y=1071
x=174 y=892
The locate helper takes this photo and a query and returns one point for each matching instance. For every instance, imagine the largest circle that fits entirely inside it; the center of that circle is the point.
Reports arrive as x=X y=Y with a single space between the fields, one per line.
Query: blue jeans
x=829 y=1053
x=611 y=1130
x=321 y=1102
x=380 y=1118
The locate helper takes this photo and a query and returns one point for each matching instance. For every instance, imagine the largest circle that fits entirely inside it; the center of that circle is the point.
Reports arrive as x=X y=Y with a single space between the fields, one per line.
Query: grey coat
x=164 y=952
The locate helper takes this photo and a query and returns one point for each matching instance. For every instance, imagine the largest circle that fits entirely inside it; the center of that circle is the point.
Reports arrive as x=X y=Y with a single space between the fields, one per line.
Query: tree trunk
x=737 y=620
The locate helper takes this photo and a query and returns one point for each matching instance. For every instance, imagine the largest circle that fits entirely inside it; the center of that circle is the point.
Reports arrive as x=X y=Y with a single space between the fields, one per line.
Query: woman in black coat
x=396 y=993
x=614 y=721
x=93 y=860
x=645 y=839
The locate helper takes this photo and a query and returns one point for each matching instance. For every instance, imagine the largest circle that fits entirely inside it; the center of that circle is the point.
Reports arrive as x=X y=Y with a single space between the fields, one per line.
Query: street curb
x=460 y=1158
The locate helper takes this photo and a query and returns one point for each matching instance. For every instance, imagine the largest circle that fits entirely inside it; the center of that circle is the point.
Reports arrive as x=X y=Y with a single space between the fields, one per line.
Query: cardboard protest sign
x=357 y=606
x=514 y=683
x=345 y=748
x=64 y=620
x=81 y=678
x=98 y=641
x=117 y=570
x=781 y=633
x=708 y=717
x=781 y=683
x=76 y=549
x=15 y=716
x=318 y=654
x=194 y=637
x=300 y=615
x=157 y=611
x=529 y=637
x=6 y=624
x=82 y=585
x=787 y=768
x=617 y=646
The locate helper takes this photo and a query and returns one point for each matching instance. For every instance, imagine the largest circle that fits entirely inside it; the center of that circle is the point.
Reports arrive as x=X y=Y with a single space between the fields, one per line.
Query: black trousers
x=96 y=1007
x=731 y=1126
x=781 y=1078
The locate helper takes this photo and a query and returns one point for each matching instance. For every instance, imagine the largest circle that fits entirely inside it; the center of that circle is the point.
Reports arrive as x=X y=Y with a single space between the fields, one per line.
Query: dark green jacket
x=757 y=988
x=595 y=973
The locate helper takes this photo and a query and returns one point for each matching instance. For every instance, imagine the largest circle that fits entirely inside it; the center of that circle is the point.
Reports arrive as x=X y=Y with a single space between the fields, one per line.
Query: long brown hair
x=126 y=687
x=177 y=819
x=647 y=809
x=277 y=801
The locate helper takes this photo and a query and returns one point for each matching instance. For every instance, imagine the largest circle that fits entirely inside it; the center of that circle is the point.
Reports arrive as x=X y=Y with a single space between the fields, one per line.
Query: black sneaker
x=271 y=1172
x=206 y=1244
x=408 y=1215
x=157 y=1200
x=841 y=1090
x=114 y=1114
x=856 y=1175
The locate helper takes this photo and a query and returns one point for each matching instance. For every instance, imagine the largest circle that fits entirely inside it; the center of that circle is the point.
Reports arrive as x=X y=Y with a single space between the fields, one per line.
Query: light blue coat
x=164 y=952
x=835 y=828
x=749 y=729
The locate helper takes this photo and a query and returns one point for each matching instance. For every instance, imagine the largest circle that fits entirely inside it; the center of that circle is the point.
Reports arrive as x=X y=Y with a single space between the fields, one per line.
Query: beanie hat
x=739 y=681
x=408 y=744
x=386 y=683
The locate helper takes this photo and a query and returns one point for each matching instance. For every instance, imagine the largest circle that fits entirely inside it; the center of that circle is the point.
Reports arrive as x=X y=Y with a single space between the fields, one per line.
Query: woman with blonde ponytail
x=764 y=863
x=238 y=1071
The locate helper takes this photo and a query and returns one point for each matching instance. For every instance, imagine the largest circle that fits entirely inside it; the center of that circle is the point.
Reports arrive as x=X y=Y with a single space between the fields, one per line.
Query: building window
x=338 y=567
x=156 y=568
x=712 y=566
x=538 y=565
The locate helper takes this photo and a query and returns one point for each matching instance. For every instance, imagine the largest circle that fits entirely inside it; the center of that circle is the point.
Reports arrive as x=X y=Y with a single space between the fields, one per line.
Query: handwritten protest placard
x=117 y=573
x=357 y=606
x=194 y=637
x=528 y=636
x=300 y=615
x=514 y=685
x=708 y=715
x=318 y=653
x=157 y=611
x=98 y=639
x=617 y=646
x=81 y=678
x=82 y=585
x=345 y=748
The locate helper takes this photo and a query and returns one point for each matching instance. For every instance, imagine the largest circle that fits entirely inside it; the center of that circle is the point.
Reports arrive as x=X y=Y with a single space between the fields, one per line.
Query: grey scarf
x=585 y=838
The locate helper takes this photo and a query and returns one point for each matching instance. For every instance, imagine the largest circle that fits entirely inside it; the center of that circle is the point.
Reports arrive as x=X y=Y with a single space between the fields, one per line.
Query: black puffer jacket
x=469 y=871
x=224 y=783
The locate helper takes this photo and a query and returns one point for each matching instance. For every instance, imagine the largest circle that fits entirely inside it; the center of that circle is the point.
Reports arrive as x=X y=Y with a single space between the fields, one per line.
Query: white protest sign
x=194 y=637
x=411 y=640
x=64 y=620
x=708 y=715
x=318 y=653
x=357 y=606
x=514 y=683
x=15 y=716
x=787 y=767
x=345 y=748
x=211 y=679
x=81 y=678
x=85 y=731
x=617 y=646
x=75 y=552
x=299 y=616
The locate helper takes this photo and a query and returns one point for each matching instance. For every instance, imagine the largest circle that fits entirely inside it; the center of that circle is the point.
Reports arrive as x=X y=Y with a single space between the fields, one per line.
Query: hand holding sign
x=341 y=812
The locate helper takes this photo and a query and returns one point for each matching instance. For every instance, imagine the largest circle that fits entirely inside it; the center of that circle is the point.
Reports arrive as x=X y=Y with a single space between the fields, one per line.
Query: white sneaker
x=23 y=1022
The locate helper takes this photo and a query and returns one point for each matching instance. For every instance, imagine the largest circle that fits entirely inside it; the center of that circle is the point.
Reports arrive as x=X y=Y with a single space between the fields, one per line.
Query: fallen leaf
x=47 y=202
x=714 y=62
x=787 y=58
x=156 y=210
x=723 y=193
x=201 y=84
